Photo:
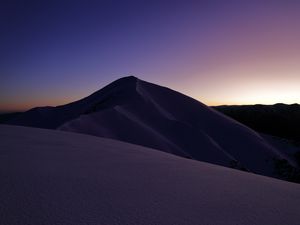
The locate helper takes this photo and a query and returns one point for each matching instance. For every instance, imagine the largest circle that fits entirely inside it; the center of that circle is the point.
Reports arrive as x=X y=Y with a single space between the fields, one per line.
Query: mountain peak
x=128 y=78
x=121 y=82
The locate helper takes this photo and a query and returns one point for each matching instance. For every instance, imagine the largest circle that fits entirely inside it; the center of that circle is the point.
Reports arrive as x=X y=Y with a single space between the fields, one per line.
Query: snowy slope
x=55 y=177
x=142 y=113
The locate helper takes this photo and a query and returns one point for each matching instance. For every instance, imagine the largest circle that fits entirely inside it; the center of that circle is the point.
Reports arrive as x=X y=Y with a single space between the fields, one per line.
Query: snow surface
x=146 y=114
x=56 y=177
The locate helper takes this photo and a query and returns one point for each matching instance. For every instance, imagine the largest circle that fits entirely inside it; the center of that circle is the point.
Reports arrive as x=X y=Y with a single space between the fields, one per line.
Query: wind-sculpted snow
x=146 y=114
x=56 y=177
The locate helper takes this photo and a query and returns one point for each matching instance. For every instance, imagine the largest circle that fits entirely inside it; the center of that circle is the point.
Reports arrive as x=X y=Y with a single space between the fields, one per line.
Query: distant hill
x=280 y=120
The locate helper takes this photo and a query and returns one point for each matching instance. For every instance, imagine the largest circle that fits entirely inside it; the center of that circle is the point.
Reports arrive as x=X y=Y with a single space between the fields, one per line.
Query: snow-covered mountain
x=54 y=177
x=143 y=113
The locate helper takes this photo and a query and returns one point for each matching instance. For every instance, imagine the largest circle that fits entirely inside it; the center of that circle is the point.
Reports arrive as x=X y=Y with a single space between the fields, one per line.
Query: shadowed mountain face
x=142 y=113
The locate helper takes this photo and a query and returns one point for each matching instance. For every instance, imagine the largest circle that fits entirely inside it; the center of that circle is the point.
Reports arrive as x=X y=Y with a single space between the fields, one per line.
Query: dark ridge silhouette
x=280 y=120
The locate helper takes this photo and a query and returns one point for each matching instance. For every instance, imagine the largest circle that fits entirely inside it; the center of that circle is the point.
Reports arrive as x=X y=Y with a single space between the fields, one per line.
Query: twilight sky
x=219 y=52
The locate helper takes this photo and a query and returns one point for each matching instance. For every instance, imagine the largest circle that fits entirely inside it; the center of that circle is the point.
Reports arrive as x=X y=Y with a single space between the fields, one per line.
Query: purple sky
x=219 y=52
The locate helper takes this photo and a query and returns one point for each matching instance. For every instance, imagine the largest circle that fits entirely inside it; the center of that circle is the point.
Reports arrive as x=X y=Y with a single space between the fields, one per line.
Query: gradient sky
x=219 y=52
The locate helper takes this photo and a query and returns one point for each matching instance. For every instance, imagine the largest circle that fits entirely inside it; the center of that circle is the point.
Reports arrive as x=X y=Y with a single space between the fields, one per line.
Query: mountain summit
x=147 y=114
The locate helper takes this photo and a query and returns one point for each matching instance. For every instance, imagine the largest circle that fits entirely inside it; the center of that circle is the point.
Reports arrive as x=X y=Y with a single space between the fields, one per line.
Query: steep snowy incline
x=55 y=177
x=139 y=112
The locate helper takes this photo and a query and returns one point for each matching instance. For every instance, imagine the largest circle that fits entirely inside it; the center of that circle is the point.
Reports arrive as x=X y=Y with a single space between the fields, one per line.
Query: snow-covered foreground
x=55 y=177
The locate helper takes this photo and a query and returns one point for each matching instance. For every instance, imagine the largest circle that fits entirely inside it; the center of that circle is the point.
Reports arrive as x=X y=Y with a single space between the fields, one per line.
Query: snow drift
x=142 y=113
x=55 y=177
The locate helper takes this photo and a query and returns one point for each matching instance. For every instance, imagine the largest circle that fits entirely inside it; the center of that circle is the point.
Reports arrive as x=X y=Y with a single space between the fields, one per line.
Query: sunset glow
x=219 y=52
